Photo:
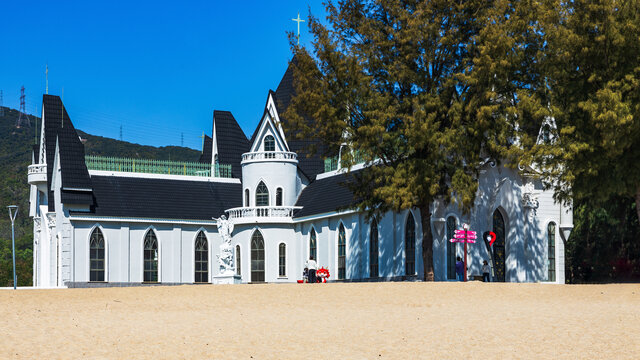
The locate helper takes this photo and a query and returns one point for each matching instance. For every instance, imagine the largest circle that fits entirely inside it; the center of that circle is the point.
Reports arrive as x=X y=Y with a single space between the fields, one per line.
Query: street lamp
x=13 y=211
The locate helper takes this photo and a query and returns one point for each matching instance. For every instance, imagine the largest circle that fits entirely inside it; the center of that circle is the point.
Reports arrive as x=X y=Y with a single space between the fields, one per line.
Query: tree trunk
x=638 y=203
x=427 y=243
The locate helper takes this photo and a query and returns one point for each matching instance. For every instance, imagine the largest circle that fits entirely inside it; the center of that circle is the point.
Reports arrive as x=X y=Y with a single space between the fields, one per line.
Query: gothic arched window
x=451 y=248
x=373 y=250
x=238 y=263
x=410 y=245
x=312 y=245
x=257 y=257
x=342 y=253
x=551 y=237
x=201 y=258
x=269 y=143
x=499 y=246
x=262 y=195
x=282 y=257
x=96 y=256
x=150 y=257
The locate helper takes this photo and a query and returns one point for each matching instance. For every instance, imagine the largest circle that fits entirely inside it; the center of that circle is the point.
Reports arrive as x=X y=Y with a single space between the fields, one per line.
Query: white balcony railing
x=37 y=173
x=270 y=156
x=262 y=214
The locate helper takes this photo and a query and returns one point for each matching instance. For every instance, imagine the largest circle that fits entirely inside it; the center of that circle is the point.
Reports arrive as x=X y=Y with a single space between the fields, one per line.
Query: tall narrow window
x=312 y=245
x=96 y=256
x=238 y=263
x=282 y=257
x=150 y=257
x=246 y=197
x=410 y=246
x=257 y=257
x=269 y=143
x=451 y=248
x=202 y=258
x=551 y=235
x=373 y=250
x=262 y=195
x=279 y=197
x=342 y=253
x=499 y=246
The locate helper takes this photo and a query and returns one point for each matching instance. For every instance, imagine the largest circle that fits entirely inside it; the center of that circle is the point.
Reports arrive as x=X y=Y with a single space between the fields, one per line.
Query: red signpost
x=464 y=236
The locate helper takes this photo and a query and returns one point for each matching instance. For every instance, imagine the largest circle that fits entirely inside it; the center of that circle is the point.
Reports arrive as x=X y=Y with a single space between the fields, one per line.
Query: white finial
x=298 y=20
x=46 y=74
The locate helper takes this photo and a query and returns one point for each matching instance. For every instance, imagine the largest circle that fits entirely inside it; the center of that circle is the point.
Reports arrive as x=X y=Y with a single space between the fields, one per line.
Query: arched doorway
x=499 y=250
x=257 y=257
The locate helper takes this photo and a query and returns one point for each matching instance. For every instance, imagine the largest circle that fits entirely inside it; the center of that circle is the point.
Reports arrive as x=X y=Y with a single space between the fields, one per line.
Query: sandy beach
x=324 y=321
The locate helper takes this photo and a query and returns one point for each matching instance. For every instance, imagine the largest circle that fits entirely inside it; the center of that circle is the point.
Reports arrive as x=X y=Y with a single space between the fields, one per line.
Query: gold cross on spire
x=298 y=20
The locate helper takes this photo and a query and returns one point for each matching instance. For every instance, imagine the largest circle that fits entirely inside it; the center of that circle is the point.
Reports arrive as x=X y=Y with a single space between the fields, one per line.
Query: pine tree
x=422 y=91
x=592 y=66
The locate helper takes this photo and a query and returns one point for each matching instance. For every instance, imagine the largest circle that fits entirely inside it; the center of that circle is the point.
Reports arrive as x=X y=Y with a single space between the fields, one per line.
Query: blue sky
x=157 y=68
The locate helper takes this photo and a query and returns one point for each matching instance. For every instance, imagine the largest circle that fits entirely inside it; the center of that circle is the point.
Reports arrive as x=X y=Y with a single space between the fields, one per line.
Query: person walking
x=486 y=269
x=459 y=269
x=312 y=267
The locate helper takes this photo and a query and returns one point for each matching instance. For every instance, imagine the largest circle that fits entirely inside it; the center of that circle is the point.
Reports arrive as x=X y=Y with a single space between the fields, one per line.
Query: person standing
x=312 y=267
x=459 y=269
x=486 y=269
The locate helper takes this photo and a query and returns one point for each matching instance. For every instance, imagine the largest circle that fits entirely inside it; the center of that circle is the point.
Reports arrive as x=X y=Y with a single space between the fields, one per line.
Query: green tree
x=421 y=90
x=592 y=65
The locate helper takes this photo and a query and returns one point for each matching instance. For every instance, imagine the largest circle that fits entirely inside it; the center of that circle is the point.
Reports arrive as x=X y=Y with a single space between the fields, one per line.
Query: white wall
x=124 y=250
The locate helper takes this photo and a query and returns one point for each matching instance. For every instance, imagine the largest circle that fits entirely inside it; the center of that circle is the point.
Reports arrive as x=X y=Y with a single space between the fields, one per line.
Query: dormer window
x=269 y=143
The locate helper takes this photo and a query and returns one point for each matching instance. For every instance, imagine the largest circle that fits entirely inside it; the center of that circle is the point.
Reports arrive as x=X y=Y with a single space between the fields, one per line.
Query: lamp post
x=13 y=211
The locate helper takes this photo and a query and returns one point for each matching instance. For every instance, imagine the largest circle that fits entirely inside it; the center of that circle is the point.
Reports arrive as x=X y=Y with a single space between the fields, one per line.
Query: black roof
x=230 y=140
x=117 y=196
x=59 y=128
x=205 y=157
x=326 y=195
x=311 y=165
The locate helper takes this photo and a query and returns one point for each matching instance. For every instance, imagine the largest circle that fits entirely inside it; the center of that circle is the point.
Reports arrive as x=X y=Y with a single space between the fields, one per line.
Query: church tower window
x=201 y=258
x=150 y=257
x=96 y=256
x=262 y=195
x=282 y=257
x=269 y=143
x=342 y=253
x=279 y=197
x=551 y=235
x=410 y=245
x=257 y=257
x=373 y=250
x=246 y=197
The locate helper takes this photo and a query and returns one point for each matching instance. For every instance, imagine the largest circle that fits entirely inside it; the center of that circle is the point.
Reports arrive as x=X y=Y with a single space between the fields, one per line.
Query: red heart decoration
x=493 y=237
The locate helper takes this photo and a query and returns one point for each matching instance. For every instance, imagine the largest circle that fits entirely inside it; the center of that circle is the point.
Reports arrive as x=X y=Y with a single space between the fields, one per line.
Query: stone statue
x=225 y=258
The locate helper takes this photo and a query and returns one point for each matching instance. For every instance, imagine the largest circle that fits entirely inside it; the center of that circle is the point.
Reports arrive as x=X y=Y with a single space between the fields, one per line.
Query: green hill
x=15 y=155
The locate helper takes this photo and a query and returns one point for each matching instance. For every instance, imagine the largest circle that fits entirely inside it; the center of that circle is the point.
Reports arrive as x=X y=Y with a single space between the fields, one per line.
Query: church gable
x=269 y=135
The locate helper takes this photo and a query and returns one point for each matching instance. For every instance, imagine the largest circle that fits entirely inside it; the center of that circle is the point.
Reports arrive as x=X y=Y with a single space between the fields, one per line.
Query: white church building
x=120 y=222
